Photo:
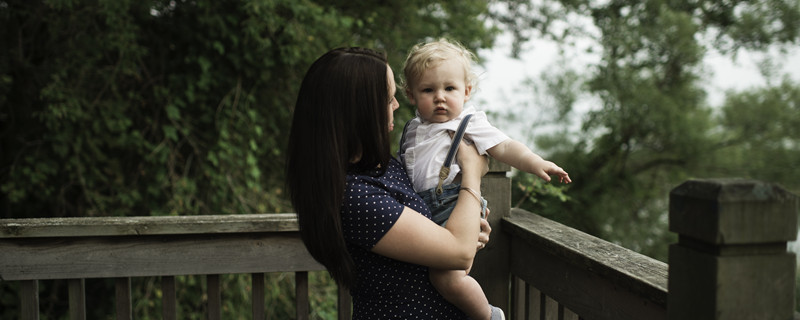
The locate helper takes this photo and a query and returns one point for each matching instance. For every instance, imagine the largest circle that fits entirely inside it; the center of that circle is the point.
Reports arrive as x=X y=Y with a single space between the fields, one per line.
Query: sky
x=501 y=76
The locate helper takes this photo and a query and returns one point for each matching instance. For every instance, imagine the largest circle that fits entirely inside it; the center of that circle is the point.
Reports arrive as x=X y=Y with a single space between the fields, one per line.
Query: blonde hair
x=426 y=55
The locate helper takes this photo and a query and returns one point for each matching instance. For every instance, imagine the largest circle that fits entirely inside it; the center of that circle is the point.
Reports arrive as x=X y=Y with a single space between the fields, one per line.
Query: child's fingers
x=543 y=175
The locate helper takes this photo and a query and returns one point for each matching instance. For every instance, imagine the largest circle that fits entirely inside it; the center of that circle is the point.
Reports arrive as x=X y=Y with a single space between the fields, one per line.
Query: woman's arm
x=416 y=239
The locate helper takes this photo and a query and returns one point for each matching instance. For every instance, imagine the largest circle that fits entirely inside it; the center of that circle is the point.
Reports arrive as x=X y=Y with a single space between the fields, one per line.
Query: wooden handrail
x=72 y=248
x=146 y=225
x=587 y=275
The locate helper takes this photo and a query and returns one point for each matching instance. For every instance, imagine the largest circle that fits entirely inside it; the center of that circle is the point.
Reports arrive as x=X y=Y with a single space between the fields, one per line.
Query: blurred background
x=135 y=108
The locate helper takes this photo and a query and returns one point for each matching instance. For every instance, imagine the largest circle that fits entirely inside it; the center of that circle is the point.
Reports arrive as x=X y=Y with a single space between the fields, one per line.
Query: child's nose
x=439 y=95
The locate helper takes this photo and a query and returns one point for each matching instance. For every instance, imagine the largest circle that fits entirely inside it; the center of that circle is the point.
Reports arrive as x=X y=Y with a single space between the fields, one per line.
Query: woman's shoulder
x=390 y=187
x=393 y=174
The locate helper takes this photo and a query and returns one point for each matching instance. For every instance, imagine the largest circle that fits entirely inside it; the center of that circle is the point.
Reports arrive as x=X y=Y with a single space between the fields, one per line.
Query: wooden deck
x=731 y=260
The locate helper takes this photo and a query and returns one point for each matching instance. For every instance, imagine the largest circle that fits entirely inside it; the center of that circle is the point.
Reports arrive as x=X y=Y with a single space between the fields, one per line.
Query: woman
x=357 y=210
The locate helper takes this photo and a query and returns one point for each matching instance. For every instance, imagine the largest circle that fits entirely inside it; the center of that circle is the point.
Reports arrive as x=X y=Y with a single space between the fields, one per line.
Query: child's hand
x=544 y=169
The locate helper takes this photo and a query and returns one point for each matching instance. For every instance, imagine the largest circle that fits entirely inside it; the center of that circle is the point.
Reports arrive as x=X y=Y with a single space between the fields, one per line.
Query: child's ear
x=410 y=97
x=467 y=92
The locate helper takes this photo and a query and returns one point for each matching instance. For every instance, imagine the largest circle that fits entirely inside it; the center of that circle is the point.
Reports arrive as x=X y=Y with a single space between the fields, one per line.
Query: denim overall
x=442 y=199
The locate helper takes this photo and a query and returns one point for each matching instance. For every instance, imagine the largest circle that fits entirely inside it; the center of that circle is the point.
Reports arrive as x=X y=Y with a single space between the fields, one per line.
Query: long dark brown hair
x=340 y=124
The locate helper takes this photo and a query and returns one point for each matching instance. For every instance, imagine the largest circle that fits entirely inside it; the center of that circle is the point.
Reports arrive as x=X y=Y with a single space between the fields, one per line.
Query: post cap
x=733 y=211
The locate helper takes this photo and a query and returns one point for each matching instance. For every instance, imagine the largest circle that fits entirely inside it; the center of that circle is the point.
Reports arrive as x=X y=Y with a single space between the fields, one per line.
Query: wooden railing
x=731 y=260
x=121 y=248
x=560 y=273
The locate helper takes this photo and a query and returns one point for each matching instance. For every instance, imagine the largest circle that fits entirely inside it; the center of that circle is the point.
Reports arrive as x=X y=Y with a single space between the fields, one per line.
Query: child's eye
x=426 y=90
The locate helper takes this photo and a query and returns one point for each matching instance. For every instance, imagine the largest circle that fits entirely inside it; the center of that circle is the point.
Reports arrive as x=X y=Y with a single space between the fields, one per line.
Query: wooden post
x=731 y=260
x=491 y=266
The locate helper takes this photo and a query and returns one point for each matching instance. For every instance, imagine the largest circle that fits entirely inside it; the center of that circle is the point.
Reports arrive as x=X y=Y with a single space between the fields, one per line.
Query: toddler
x=438 y=80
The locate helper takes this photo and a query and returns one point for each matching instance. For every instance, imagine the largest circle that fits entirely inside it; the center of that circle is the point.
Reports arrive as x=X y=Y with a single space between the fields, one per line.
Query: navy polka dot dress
x=386 y=288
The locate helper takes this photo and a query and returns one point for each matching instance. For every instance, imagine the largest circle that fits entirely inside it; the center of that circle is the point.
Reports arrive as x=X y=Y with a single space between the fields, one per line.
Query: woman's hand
x=486 y=229
x=470 y=161
x=414 y=238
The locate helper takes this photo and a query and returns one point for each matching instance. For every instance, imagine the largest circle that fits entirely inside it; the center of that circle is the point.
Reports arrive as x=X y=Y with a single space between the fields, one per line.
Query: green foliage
x=172 y=107
x=651 y=128
x=761 y=135
x=123 y=108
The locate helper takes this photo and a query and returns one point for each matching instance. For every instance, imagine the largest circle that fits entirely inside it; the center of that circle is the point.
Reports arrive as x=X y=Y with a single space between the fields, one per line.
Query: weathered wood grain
x=150 y=225
x=214 y=294
x=733 y=211
x=518 y=308
x=77 y=299
x=594 y=278
x=731 y=261
x=29 y=296
x=162 y=255
x=169 y=304
x=344 y=304
x=302 y=304
x=259 y=295
x=123 y=298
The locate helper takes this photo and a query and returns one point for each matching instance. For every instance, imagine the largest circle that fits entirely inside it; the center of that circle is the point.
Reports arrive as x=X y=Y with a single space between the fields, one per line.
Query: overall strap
x=400 y=151
x=445 y=171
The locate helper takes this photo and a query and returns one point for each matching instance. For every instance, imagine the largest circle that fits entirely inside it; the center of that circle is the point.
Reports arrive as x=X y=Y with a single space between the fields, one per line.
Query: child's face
x=441 y=91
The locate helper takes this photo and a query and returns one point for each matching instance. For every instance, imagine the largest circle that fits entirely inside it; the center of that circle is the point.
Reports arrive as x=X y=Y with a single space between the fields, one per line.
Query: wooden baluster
x=301 y=293
x=550 y=308
x=535 y=303
x=214 y=297
x=570 y=315
x=29 y=304
x=258 y=296
x=731 y=260
x=518 y=307
x=77 y=299
x=123 y=289
x=345 y=304
x=169 y=306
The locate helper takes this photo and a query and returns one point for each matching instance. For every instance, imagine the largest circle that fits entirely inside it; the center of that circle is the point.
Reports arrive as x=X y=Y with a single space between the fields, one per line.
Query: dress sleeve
x=368 y=212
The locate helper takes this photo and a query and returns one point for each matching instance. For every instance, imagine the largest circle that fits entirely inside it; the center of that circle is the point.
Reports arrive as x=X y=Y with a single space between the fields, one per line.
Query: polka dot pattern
x=387 y=288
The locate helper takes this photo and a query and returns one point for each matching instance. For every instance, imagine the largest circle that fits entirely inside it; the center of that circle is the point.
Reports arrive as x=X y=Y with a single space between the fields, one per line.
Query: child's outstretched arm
x=519 y=156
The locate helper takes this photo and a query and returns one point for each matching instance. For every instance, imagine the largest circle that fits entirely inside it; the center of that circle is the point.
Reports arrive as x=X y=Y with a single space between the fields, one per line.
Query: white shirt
x=426 y=144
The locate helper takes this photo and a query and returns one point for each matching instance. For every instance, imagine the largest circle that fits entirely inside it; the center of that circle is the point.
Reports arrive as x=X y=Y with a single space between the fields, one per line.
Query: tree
x=760 y=135
x=652 y=128
x=121 y=108
x=175 y=107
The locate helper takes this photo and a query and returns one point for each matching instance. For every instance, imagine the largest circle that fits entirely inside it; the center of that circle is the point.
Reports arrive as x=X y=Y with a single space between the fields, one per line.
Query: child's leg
x=462 y=291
